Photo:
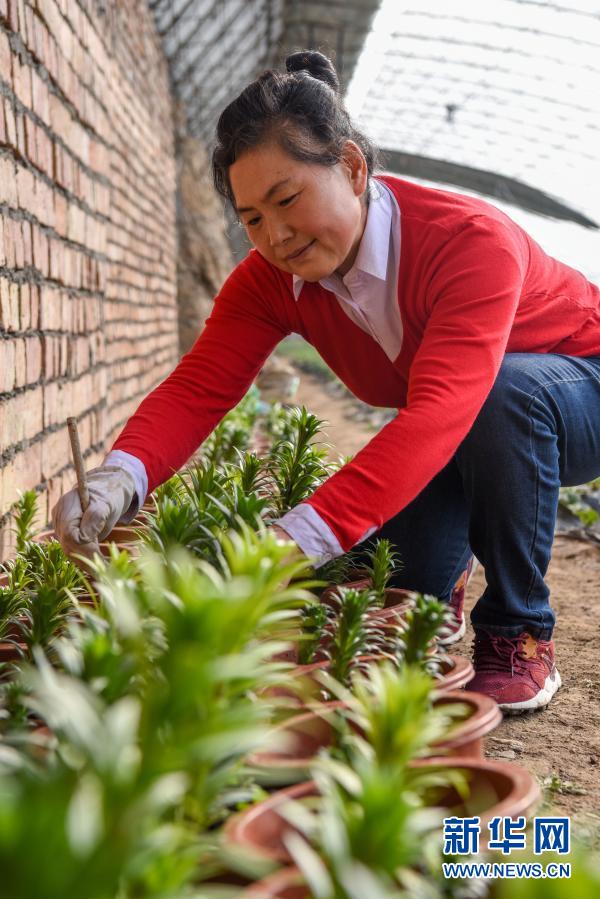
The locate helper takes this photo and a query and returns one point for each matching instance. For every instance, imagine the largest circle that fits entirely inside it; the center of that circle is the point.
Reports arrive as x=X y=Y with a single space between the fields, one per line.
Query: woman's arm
x=474 y=287
x=247 y=322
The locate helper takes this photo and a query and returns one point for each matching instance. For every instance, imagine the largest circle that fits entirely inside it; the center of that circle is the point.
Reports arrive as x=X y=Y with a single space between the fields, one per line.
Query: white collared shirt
x=368 y=294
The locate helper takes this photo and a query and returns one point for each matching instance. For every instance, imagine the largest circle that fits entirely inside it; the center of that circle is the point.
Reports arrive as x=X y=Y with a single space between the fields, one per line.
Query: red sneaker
x=456 y=626
x=518 y=672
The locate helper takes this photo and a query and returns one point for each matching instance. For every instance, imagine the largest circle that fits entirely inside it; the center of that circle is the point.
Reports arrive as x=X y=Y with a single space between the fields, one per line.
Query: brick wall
x=88 y=318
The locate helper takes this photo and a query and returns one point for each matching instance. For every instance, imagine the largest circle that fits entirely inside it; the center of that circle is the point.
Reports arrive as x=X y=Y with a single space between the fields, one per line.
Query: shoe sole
x=541 y=699
x=456 y=636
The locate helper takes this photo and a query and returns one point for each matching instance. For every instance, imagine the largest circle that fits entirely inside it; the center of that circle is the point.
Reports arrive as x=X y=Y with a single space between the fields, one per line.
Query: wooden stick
x=82 y=486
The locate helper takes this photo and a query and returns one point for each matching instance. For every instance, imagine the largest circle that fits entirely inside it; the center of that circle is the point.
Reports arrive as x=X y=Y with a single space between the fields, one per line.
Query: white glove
x=111 y=491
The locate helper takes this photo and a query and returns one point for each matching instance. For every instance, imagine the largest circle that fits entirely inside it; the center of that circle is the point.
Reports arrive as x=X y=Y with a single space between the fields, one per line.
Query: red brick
x=20 y=363
x=10 y=124
x=21 y=79
x=40 y=40
x=25 y=189
x=20 y=418
x=27 y=242
x=53 y=57
x=39 y=91
x=24 y=308
x=9 y=243
x=5 y=308
x=34 y=306
x=58 y=163
x=23 y=472
x=60 y=214
x=55 y=260
x=21 y=137
x=50 y=356
x=18 y=244
x=30 y=140
x=13 y=15
x=29 y=31
x=50 y=309
x=7 y=178
x=33 y=356
x=37 y=247
x=5 y=58
x=45 y=254
x=7 y=369
x=44 y=151
x=67 y=172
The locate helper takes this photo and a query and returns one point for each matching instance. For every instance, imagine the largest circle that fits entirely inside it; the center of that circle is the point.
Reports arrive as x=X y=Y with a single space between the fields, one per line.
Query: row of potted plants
x=180 y=680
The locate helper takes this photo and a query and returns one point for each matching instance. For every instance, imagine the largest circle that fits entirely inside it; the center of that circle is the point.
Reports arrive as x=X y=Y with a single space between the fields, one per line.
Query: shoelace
x=505 y=655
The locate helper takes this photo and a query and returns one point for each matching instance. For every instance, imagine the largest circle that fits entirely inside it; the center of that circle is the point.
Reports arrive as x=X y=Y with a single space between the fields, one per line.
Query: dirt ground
x=561 y=744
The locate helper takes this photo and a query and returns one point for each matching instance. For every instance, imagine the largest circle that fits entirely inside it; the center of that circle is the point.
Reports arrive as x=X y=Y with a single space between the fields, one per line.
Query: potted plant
x=296 y=464
x=378 y=707
x=365 y=793
x=421 y=624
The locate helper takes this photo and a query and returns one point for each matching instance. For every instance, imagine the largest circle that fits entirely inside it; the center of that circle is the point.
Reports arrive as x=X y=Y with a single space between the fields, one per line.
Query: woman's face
x=304 y=218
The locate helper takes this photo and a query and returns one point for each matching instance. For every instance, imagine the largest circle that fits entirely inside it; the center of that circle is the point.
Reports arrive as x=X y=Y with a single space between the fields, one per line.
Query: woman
x=432 y=302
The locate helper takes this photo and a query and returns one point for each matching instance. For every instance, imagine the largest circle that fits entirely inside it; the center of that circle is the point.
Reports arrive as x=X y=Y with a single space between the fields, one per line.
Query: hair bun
x=316 y=64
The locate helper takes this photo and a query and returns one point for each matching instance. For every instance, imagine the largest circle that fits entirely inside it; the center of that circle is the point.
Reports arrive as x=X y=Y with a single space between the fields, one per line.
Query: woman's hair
x=302 y=110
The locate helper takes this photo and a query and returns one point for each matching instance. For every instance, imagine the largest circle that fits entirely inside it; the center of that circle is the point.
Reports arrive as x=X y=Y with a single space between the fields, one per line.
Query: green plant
x=48 y=566
x=45 y=616
x=40 y=595
x=383 y=562
x=354 y=633
x=24 y=516
x=421 y=624
x=338 y=571
x=13 y=595
x=89 y=819
x=190 y=513
x=370 y=833
x=315 y=619
x=204 y=502
x=394 y=710
x=574 y=500
x=297 y=466
x=151 y=725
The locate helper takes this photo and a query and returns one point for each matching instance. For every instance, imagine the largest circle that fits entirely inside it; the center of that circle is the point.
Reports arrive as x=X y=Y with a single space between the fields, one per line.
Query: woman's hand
x=111 y=491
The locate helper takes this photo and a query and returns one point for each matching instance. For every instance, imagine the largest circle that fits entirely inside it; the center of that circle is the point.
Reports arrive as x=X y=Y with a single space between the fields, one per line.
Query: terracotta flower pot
x=260 y=828
x=395 y=607
x=305 y=734
x=496 y=788
x=283 y=884
x=456 y=671
x=328 y=594
x=396 y=600
x=125 y=534
x=466 y=737
x=9 y=652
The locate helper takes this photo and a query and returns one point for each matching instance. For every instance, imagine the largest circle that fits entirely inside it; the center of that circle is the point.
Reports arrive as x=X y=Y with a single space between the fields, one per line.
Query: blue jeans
x=498 y=496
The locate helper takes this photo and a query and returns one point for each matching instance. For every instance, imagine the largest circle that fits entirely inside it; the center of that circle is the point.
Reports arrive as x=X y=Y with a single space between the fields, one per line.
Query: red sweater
x=472 y=285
